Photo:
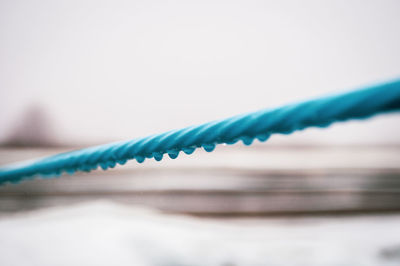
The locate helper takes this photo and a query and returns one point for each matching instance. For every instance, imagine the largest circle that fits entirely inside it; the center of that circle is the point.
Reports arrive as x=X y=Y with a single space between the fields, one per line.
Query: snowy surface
x=104 y=233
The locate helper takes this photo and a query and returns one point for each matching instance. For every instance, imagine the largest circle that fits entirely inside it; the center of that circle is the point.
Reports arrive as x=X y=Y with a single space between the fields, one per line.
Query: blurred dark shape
x=391 y=253
x=32 y=130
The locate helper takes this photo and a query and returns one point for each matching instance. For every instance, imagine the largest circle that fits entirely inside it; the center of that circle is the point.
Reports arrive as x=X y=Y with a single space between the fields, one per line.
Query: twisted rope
x=320 y=112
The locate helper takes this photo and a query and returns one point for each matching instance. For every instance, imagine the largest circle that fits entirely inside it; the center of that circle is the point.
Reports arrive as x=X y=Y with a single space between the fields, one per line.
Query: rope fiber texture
x=322 y=112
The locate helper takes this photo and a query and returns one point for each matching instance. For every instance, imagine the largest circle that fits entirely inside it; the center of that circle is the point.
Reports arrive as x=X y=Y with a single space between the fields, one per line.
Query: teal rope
x=321 y=112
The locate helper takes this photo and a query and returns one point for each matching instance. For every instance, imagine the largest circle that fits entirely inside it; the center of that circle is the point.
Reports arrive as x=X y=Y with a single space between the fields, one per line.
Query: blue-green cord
x=322 y=112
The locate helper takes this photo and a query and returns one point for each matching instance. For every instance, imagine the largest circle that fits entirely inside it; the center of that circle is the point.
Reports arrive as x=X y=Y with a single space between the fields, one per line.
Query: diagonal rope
x=320 y=112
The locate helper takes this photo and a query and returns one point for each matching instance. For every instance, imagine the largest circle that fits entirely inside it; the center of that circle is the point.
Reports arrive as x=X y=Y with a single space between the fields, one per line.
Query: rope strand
x=259 y=125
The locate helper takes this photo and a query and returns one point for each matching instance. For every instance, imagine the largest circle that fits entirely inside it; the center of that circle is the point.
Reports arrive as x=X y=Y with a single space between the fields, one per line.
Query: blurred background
x=81 y=73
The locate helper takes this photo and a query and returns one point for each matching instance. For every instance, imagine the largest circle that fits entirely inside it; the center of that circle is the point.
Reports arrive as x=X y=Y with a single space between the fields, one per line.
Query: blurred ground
x=248 y=206
x=231 y=181
x=102 y=233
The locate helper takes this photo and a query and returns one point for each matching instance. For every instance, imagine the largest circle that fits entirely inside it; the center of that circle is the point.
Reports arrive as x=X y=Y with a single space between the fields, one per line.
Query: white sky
x=111 y=70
